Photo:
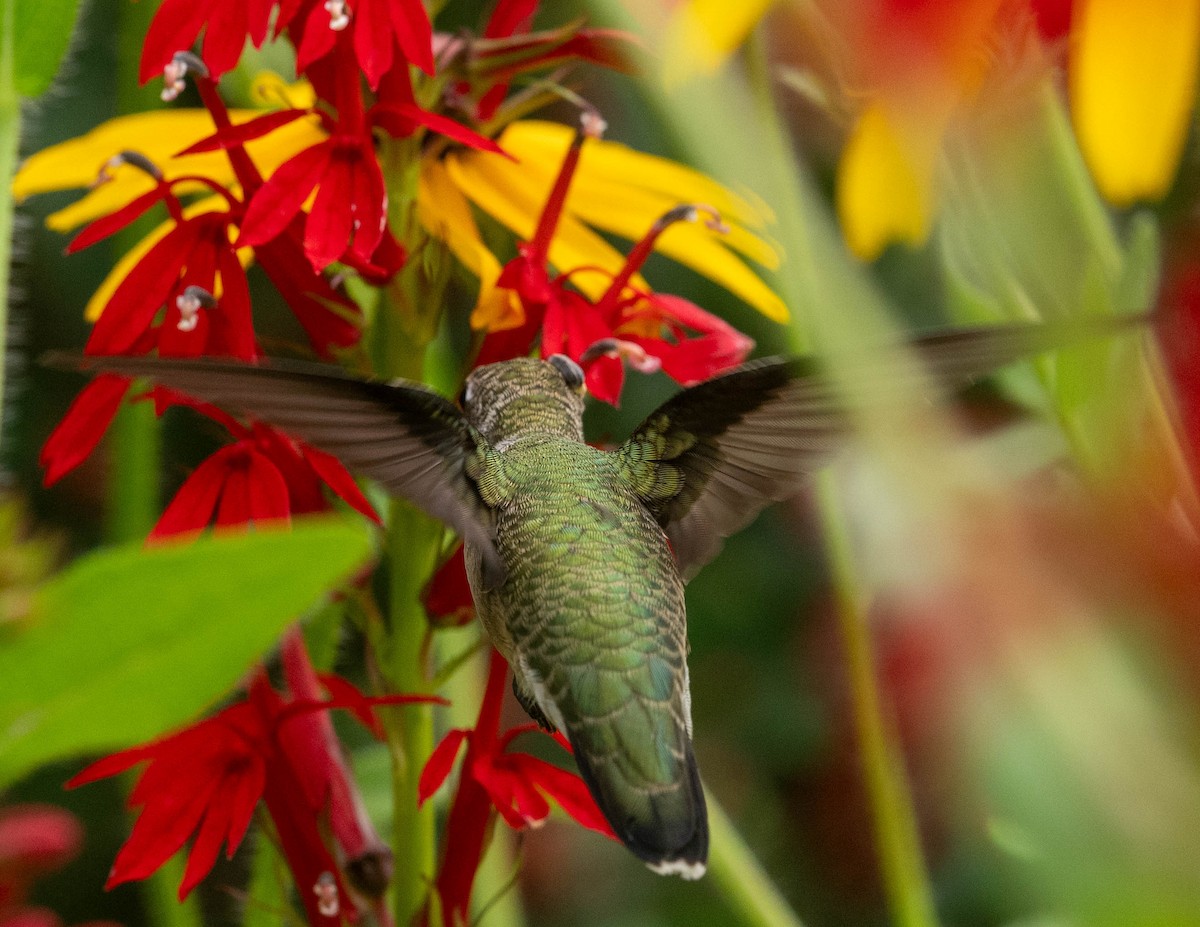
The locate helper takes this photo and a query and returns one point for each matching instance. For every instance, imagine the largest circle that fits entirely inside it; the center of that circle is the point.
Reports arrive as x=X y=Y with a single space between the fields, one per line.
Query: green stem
x=413 y=542
x=10 y=133
x=134 y=442
x=905 y=879
x=750 y=894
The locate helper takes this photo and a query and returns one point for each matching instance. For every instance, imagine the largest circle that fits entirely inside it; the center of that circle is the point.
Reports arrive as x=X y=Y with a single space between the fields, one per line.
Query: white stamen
x=339 y=14
x=173 y=82
x=594 y=125
x=326 y=891
x=189 y=303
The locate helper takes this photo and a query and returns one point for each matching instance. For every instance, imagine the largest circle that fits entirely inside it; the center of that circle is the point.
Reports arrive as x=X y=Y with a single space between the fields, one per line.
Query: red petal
x=192 y=508
x=243 y=132
x=338 y=478
x=318 y=40
x=414 y=34
x=343 y=694
x=243 y=798
x=370 y=199
x=81 y=429
x=137 y=299
x=114 y=221
x=373 y=42
x=605 y=378
x=329 y=226
x=565 y=788
x=111 y=765
x=224 y=36
x=274 y=206
x=443 y=125
x=447 y=596
x=527 y=800
x=174 y=27
x=439 y=764
x=269 y=499
x=203 y=855
x=162 y=828
x=509 y=17
x=233 y=328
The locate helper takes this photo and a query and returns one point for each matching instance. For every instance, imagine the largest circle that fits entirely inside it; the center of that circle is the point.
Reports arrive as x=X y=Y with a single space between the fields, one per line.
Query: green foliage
x=129 y=643
x=41 y=33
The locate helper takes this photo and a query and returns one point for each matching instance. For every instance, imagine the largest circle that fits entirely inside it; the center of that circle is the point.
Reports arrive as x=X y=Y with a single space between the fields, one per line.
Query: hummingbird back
x=591 y=619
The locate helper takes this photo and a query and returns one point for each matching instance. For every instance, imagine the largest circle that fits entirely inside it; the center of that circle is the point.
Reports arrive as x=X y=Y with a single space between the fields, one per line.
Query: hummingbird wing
x=713 y=456
x=413 y=441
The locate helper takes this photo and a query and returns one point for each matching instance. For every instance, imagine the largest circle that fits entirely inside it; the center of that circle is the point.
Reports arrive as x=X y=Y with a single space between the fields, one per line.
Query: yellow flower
x=701 y=34
x=616 y=190
x=1133 y=69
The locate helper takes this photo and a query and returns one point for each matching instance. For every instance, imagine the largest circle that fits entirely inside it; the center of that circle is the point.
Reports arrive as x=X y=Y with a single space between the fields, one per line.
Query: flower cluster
x=279 y=748
x=398 y=154
x=494 y=781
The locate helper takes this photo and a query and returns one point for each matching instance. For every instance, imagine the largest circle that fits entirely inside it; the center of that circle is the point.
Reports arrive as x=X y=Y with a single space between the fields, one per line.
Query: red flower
x=229 y=23
x=206 y=780
x=348 y=213
x=348 y=217
x=262 y=476
x=81 y=429
x=378 y=28
x=447 y=596
x=34 y=839
x=516 y=785
x=197 y=254
x=651 y=331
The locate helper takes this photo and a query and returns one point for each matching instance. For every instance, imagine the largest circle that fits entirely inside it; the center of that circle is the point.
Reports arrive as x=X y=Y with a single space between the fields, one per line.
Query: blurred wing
x=712 y=457
x=411 y=440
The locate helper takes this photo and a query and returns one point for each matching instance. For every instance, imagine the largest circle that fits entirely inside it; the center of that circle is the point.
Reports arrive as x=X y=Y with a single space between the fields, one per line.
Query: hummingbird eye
x=570 y=371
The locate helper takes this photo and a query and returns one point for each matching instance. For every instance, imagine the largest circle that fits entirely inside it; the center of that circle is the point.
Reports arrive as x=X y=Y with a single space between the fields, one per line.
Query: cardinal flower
x=626 y=323
x=379 y=28
x=227 y=25
x=262 y=476
x=207 y=779
x=517 y=786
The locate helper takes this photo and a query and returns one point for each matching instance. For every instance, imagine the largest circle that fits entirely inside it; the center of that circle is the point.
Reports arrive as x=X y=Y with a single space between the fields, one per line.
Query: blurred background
x=1028 y=576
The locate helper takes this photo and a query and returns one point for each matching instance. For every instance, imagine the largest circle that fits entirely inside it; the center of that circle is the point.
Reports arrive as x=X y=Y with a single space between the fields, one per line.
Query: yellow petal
x=546 y=142
x=884 y=185
x=1132 y=84
x=445 y=213
x=513 y=194
x=701 y=34
x=157 y=135
x=623 y=192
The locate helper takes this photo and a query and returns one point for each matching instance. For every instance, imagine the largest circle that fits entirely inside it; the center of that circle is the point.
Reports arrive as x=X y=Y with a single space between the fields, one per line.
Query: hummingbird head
x=525 y=396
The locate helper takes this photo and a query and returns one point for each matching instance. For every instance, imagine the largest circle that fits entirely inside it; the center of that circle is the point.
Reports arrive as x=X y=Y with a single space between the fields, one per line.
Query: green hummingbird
x=577 y=557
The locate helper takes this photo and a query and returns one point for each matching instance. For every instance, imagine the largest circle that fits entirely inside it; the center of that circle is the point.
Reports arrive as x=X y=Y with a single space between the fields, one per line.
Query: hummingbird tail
x=666 y=827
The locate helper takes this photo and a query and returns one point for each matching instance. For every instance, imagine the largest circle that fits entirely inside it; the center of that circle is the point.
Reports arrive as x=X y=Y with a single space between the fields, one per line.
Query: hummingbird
x=577 y=557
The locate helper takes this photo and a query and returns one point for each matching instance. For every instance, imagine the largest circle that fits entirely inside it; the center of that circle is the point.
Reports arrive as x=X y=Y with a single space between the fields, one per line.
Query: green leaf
x=129 y=643
x=42 y=31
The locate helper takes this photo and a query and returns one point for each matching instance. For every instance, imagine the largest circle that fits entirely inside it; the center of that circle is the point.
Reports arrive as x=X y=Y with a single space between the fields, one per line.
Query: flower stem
x=413 y=542
x=10 y=133
x=909 y=893
x=754 y=900
x=134 y=442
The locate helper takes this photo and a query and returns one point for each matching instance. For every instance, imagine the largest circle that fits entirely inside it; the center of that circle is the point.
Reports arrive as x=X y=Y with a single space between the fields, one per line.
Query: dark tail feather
x=667 y=830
